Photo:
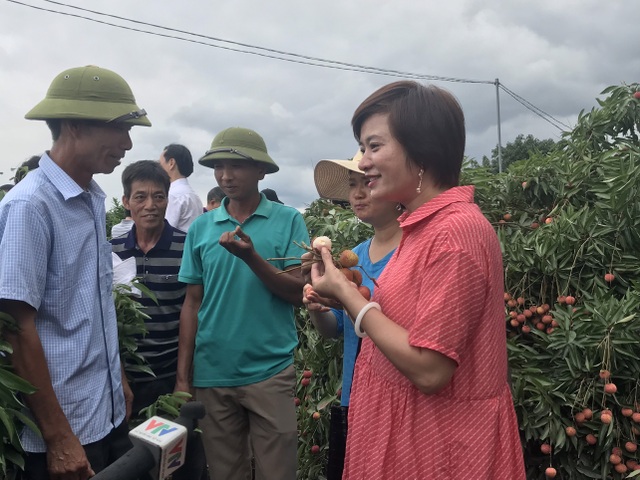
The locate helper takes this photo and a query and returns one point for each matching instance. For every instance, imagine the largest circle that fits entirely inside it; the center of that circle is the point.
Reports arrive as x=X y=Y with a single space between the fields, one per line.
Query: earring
x=399 y=207
x=419 y=189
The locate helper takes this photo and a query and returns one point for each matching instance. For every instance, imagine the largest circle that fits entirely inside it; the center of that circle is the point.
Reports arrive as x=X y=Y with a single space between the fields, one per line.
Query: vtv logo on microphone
x=156 y=426
x=174 y=456
x=167 y=440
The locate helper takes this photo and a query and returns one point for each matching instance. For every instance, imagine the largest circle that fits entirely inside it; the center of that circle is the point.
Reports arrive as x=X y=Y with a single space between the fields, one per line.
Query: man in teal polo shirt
x=237 y=326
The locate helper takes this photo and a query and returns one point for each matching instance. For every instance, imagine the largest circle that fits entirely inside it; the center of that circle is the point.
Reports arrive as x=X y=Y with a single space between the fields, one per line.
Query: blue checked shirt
x=54 y=255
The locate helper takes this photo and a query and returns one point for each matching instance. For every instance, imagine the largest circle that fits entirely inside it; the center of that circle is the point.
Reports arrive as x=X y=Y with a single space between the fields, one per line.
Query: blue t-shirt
x=346 y=327
x=246 y=334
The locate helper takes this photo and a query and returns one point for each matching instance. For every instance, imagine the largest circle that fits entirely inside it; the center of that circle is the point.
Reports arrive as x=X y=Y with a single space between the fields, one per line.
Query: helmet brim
x=69 y=109
x=209 y=159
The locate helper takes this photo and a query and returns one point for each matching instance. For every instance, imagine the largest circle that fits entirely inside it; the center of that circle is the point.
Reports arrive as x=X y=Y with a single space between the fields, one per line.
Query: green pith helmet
x=90 y=93
x=238 y=143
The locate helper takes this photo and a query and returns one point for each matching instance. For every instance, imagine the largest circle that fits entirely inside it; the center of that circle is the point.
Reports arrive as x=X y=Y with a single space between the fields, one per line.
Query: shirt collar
x=164 y=243
x=179 y=182
x=67 y=187
x=264 y=209
x=446 y=198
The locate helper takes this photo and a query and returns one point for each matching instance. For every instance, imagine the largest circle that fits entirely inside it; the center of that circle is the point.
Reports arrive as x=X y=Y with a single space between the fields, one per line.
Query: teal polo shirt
x=246 y=334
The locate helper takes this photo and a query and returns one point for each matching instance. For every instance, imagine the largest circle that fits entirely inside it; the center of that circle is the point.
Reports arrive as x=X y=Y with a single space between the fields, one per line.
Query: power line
x=270 y=53
x=360 y=68
x=291 y=57
x=541 y=113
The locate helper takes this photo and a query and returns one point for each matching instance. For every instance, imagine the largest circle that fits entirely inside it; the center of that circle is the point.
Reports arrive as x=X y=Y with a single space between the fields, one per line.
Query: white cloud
x=557 y=55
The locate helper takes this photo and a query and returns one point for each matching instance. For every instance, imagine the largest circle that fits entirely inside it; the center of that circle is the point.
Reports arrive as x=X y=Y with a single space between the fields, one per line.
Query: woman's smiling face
x=384 y=162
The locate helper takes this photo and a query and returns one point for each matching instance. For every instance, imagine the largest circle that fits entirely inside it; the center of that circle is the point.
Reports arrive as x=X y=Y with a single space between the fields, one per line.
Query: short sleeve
x=25 y=243
x=172 y=214
x=452 y=289
x=191 y=265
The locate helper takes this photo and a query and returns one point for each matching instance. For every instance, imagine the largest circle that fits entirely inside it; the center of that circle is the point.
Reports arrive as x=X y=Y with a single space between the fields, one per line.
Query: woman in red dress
x=430 y=397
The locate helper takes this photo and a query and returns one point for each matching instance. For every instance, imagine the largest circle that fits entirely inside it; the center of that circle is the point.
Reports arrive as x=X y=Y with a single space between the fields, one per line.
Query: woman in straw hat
x=430 y=397
x=342 y=180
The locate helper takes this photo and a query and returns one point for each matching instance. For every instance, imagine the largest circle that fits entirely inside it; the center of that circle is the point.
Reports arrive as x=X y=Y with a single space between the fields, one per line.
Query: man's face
x=147 y=203
x=103 y=145
x=238 y=178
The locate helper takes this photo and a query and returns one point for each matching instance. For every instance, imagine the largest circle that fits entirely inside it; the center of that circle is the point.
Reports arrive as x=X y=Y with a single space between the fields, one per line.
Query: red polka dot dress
x=444 y=284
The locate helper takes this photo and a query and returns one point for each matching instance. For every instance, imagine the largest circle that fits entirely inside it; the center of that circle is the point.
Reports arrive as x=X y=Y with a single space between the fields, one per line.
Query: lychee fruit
x=357 y=277
x=348 y=259
x=365 y=292
x=320 y=242
x=606 y=418
x=348 y=273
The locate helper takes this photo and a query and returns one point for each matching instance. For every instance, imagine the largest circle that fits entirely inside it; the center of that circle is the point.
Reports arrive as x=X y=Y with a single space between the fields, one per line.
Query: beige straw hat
x=332 y=177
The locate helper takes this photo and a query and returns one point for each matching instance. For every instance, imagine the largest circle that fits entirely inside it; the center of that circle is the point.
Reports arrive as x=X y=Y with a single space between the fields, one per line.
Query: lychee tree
x=569 y=225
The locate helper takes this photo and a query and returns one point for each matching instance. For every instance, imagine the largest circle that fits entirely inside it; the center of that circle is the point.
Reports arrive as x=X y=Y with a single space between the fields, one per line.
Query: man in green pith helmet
x=56 y=278
x=237 y=325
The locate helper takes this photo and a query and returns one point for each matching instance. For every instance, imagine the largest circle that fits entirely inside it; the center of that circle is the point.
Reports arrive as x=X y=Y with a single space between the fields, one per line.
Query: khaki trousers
x=257 y=419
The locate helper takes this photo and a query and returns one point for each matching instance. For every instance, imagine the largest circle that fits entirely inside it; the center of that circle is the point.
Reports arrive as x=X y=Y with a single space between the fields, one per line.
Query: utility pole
x=497 y=84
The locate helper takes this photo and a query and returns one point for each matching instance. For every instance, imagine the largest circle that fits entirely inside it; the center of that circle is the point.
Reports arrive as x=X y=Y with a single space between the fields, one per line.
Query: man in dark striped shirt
x=157 y=248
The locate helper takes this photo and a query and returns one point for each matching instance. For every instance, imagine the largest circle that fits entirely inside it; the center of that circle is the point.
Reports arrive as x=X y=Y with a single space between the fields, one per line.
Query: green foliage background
x=588 y=187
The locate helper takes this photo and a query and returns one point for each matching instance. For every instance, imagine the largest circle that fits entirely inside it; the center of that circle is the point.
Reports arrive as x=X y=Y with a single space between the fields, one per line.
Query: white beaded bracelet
x=364 y=310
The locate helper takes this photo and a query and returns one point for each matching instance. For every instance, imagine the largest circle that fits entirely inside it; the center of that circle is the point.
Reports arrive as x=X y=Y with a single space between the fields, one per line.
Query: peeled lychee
x=320 y=242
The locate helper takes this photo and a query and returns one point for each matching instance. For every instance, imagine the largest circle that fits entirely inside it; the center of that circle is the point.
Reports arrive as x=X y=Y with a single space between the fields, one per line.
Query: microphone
x=159 y=446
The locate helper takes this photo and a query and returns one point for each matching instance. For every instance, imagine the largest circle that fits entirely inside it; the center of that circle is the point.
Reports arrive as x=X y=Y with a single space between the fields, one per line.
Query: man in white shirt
x=184 y=204
x=124 y=227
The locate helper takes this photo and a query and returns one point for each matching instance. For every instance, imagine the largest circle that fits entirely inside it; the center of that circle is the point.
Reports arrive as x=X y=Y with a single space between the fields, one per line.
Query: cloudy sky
x=558 y=55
